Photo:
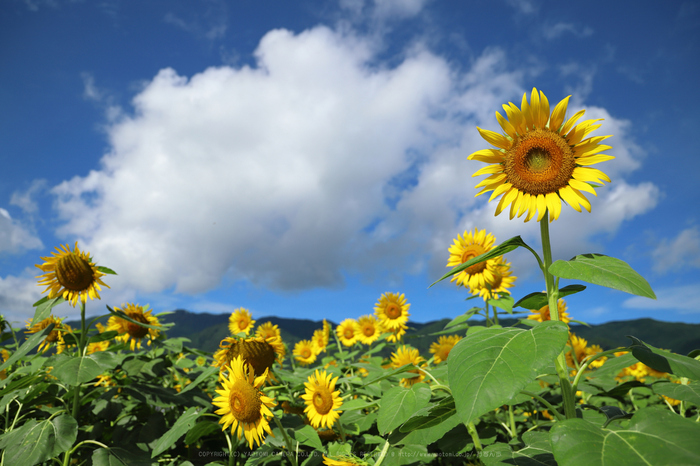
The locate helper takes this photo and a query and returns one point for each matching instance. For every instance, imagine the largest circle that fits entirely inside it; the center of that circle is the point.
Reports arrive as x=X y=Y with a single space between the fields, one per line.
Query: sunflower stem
x=475 y=436
x=552 y=299
x=76 y=396
x=292 y=457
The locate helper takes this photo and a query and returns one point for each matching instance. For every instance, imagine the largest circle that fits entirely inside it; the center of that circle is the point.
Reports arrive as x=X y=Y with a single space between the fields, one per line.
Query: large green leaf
x=537 y=452
x=399 y=404
x=503 y=248
x=665 y=361
x=689 y=393
x=488 y=368
x=653 y=436
x=35 y=442
x=308 y=436
x=180 y=428
x=27 y=346
x=604 y=271
x=208 y=372
x=44 y=306
x=73 y=370
x=538 y=299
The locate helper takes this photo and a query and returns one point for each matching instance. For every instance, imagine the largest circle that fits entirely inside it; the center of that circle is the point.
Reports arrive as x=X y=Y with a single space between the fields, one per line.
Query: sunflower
x=541 y=160
x=343 y=461
x=397 y=333
x=305 y=352
x=55 y=336
x=257 y=352
x=100 y=345
x=467 y=247
x=70 y=274
x=502 y=280
x=134 y=332
x=268 y=330
x=5 y=356
x=322 y=402
x=369 y=329
x=582 y=350
x=392 y=310
x=321 y=337
x=348 y=331
x=242 y=405
x=407 y=355
x=240 y=321
x=441 y=348
x=542 y=314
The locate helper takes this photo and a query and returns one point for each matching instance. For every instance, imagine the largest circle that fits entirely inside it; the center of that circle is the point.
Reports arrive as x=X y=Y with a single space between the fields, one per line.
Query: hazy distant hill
x=207 y=330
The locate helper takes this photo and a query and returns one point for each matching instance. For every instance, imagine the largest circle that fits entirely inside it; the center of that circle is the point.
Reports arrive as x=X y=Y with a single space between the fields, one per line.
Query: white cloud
x=683 y=299
x=17 y=294
x=14 y=237
x=383 y=9
x=555 y=31
x=681 y=252
x=314 y=162
x=524 y=6
x=25 y=200
x=210 y=23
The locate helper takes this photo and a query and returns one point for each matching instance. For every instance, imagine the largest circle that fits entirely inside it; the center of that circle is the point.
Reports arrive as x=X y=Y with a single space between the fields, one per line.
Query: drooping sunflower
x=130 y=331
x=321 y=337
x=55 y=336
x=441 y=348
x=257 y=352
x=503 y=279
x=407 y=355
x=467 y=247
x=240 y=320
x=241 y=403
x=322 y=402
x=305 y=352
x=369 y=329
x=347 y=332
x=541 y=160
x=392 y=310
x=542 y=314
x=268 y=330
x=71 y=274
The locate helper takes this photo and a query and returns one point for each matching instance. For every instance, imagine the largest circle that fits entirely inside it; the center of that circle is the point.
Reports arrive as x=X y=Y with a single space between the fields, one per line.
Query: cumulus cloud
x=679 y=253
x=384 y=9
x=683 y=299
x=17 y=295
x=555 y=31
x=314 y=162
x=210 y=23
x=14 y=237
x=25 y=200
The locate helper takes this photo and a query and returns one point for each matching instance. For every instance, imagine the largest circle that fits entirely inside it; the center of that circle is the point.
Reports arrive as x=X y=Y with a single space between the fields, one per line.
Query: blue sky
x=301 y=158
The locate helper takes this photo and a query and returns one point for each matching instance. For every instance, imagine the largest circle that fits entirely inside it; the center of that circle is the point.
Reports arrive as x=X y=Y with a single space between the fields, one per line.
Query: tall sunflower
x=129 y=331
x=347 y=332
x=258 y=352
x=322 y=402
x=369 y=329
x=407 y=355
x=467 y=247
x=305 y=352
x=441 y=348
x=541 y=159
x=240 y=320
x=241 y=403
x=503 y=279
x=542 y=314
x=392 y=310
x=71 y=274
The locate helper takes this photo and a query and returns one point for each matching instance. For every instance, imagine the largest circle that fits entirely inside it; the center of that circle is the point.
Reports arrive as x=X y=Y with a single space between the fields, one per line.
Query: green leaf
x=689 y=393
x=604 y=271
x=104 y=457
x=104 y=336
x=73 y=370
x=308 y=436
x=44 y=306
x=27 y=346
x=399 y=404
x=208 y=372
x=430 y=415
x=35 y=442
x=201 y=429
x=538 y=300
x=488 y=368
x=106 y=270
x=503 y=248
x=665 y=361
x=180 y=428
x=504 y=302
x=653 y=436
x=463 y=318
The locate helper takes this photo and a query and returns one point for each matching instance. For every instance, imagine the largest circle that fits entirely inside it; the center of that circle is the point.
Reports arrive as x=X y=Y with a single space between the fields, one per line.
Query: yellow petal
x=500 y=190
x=541 y=206
x=505 y=124
x=581 y=186
x=544 y=109
x=593 y=159
x=590 y=174
x=487 y=156
x=571 y=121
x=553 y=205
x=494 y=138
x=583 y=200
x=590 y=149
x=558 y=114
x=525 y=108
x=535 y=108
x=532 y=208
x=524 y=204
x=568 y=194
x=579 y=132
x=492 y=180
x=488 y=170
x=514 y=116
x=505 y=200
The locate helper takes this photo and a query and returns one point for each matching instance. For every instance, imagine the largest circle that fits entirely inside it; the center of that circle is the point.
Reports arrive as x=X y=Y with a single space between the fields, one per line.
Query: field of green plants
x=358 y=393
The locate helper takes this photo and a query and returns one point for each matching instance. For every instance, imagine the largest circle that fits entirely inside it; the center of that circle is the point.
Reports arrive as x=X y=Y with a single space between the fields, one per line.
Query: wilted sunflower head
x=70 y=274
x=131 y=332
x=541 y=160
x=392 y=310
x=240 y=321
x=259 y=353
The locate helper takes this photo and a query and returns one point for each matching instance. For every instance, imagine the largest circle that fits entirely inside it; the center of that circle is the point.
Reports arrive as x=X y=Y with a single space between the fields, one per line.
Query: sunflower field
x=358 y=393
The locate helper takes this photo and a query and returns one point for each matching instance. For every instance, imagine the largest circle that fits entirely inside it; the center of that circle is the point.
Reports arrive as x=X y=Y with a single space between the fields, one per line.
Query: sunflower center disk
x=541 y=162
x=472 y=252
x=259 y=354
x=135 y=330
x=244 y=401
x=323 y=400
x=368 y=330
x=74 y=272
x=393 y=311
x=349 y=333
